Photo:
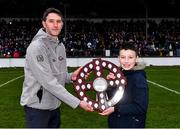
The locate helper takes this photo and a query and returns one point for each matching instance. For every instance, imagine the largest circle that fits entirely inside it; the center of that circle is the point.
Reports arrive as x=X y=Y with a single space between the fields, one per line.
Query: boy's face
x=127 y=59
x=53 y=24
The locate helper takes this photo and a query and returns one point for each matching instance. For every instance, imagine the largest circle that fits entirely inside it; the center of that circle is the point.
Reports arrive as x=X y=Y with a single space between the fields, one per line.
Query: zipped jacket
x=46 y=74
x=131 y=111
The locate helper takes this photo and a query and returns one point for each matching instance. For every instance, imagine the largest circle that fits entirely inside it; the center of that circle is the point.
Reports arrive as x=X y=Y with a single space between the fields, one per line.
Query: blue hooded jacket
x=131 y=111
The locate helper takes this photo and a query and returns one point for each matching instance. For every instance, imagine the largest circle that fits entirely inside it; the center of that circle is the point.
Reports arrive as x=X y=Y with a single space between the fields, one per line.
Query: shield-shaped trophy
x=96 y=82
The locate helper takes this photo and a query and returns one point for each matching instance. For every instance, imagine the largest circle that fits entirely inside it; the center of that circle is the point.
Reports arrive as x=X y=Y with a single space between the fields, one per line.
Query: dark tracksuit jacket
x=131 y=111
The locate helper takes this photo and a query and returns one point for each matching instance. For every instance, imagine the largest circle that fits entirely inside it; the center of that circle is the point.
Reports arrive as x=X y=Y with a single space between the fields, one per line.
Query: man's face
x=53 y=24
x=127 y=59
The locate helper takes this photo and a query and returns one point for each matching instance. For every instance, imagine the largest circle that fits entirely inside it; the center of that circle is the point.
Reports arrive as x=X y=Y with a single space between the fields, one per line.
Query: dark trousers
x=37 y=118
x=127 y=121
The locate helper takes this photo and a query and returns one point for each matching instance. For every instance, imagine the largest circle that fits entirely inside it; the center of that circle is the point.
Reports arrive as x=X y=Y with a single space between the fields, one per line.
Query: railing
x=76 y=62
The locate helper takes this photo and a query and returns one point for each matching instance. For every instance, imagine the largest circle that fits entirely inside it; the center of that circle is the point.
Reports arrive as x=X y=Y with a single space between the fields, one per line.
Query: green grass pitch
x=163 y=111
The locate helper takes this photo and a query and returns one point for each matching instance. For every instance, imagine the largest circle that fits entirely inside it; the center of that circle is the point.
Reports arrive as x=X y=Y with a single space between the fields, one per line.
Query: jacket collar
x=139 y=66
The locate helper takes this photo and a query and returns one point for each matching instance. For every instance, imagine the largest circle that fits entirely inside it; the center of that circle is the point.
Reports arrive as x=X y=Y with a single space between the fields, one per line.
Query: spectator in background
x=16 y=53
x=131 y=111
x=8 y=55
x=46 y=75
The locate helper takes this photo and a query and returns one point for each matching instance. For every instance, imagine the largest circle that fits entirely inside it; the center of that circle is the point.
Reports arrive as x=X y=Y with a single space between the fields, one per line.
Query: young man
x=46 y=75
x=131 y=111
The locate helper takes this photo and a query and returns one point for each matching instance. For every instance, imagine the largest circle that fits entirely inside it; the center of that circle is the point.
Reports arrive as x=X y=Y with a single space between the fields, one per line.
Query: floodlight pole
x=65 y=26
x=146 y=23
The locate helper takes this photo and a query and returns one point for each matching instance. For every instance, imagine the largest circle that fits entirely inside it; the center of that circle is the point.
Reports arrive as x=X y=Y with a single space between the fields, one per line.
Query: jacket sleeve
x=139 y=101
x=68 y=77
x=39 y=64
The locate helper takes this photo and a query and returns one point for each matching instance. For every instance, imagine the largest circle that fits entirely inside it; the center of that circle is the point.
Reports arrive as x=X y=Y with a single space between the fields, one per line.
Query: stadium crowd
x=90 y=38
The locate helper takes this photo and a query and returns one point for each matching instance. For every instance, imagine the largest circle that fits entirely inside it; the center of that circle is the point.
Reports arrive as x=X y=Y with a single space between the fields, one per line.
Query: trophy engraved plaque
x=98 y=70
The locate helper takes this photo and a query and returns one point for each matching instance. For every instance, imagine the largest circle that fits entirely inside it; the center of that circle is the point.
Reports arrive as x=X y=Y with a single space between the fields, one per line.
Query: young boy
x=131 y=111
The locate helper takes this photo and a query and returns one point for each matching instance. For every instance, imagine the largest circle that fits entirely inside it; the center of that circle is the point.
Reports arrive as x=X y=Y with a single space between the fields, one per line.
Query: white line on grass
x=163 y=87
x=11 y=80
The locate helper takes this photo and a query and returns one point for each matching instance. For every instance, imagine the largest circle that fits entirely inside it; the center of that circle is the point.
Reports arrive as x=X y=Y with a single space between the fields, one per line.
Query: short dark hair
x=51 y=10
x=129 y=46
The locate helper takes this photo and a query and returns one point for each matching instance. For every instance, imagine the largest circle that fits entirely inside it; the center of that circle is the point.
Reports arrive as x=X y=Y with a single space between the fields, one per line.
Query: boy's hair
x=129 y=46
x=51 y=10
